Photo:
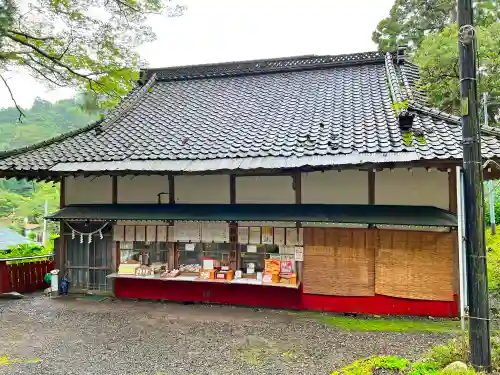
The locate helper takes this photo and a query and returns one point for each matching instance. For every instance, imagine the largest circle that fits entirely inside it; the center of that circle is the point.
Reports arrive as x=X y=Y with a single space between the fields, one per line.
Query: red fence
x=23 y=277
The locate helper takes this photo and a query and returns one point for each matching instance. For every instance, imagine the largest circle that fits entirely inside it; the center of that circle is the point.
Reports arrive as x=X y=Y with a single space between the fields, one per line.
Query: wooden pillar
x=452 y=206
x=60 y=248
x=452 y=190
x=371 y=186
x=172 y=246
x=234 y=258
x=171 y=189
x=297 y=187
x=115 y=247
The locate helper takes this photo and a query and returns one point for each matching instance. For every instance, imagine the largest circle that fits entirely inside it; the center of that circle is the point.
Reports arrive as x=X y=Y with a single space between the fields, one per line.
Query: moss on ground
x=385 y=324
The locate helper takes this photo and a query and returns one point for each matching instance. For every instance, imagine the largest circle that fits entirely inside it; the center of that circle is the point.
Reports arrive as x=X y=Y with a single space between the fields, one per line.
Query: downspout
x=461 y=248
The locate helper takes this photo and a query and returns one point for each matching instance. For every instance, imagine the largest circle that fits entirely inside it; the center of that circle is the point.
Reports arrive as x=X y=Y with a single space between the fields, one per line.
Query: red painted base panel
x=282 y=298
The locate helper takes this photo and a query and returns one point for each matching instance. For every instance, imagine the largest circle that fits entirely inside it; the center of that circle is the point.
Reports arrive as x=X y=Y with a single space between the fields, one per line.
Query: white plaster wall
x=86 y=190
x=142 y=189
x=265 y=189
x=202 y=189
x=334 y=187
x=416 y=188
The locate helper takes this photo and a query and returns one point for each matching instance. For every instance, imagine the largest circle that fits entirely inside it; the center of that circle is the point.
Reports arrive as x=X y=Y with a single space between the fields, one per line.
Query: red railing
x=24 y=277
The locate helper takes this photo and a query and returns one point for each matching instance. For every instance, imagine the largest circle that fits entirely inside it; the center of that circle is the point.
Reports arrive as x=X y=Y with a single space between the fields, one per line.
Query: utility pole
x=45 y=213
x=479 y=324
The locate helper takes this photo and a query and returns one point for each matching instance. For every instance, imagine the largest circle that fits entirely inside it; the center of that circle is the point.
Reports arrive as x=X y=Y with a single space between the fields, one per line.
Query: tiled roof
x=281 y=113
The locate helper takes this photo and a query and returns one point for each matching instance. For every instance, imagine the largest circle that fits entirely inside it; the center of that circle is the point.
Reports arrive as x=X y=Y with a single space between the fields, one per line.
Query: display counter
x=323 y=269
x=196 y=279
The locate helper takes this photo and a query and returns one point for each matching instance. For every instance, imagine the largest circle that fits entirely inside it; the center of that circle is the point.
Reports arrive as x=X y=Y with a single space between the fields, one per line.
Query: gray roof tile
x=284 y=113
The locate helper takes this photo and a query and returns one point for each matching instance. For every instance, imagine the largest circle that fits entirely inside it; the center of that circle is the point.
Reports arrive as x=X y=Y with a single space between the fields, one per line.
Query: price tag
x=251 y=249
x=299 y=254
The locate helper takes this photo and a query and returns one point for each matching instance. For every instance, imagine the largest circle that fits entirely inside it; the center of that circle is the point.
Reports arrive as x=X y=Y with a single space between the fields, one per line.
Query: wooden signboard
x=291 y=236
x=243 y=235
x=279 y=236
x=140 y=233
x=161 y=233
x=254 y=235
x=129 y=233
x=151 y=233
x=119 y=233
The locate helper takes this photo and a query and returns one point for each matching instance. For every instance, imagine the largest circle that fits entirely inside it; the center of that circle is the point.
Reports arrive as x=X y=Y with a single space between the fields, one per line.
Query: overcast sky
x=230 y=30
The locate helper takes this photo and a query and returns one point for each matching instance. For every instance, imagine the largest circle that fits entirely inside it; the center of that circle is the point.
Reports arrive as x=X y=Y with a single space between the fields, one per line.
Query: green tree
x=85 y=44
x=437 y=58
x=42 y=121
x=33 y=207
x=410 y=21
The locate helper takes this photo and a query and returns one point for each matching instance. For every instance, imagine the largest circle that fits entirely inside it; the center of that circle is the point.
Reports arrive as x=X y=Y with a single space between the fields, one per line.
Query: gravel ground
x=74 y=336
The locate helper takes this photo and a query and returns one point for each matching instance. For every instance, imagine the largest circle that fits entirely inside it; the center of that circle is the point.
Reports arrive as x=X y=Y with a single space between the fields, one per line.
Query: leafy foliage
x=85 y=44
x=442 y=355
x=410 y=21
x=437 y=58
x=368 y=365
x=43 y=120
x=428 y=28
x=493 y=258
x=24 y=199
x=28 y=250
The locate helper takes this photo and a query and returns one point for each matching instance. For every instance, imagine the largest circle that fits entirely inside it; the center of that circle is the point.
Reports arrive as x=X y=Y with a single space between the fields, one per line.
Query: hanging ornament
x=73 y=234
x=90 y=237
x=81 y=237
x=100 y=234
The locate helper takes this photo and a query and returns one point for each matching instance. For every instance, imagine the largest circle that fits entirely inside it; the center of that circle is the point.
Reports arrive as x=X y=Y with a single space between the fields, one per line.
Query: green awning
x=335 y=213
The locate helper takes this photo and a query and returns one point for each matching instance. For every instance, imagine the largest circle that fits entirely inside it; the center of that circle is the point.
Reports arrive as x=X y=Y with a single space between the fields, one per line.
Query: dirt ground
x=39 y=335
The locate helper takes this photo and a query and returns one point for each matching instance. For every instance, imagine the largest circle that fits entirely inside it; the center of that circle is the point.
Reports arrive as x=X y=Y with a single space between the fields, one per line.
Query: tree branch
x=21 y=113
x=45 y=76
x=55 y=60
x=31 y=36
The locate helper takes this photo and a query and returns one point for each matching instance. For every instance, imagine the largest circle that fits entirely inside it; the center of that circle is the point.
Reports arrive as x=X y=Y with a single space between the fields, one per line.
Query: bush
x=442 y=355
x=29 y=250
x=493 y=258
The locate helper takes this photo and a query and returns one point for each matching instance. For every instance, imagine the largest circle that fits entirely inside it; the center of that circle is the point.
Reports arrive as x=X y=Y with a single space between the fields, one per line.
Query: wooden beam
x=234 y=257
x=297 y=187
x=452 y=190
x=114 y=189
x=171 y=189
x=232 y=189
x=371 y=186
x=60 y=256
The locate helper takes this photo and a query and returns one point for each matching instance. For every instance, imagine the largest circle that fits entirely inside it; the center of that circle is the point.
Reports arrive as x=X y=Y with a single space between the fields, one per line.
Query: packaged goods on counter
x=207 y=275
x=269 y=277
x=224 y=275
x=190 y=269
x=159 y=267
x=170 y=274
x=144 y=271
x=127 y=268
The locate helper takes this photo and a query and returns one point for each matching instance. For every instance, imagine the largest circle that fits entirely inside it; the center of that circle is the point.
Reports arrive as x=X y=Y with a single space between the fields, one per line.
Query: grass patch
x=364 y=324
